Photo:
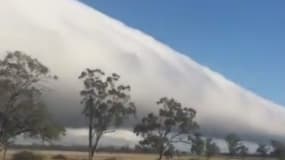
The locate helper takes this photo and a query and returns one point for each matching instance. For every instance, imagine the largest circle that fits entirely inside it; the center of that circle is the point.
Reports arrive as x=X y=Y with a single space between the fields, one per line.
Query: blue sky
x=241 y=39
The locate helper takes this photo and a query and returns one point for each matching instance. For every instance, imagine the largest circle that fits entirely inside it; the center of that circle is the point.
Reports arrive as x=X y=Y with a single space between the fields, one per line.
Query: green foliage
x=262 y=149
x=173 y=124
x=198 y=144
x=25 y=155
x=107 y=104
x=211 y=148
x=21 y=108
x=278 y=149
x=51 y=131
x=234 y=144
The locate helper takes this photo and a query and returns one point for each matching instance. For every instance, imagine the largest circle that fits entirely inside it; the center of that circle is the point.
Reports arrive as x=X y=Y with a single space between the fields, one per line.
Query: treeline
x=84 y=148
x=107 y=105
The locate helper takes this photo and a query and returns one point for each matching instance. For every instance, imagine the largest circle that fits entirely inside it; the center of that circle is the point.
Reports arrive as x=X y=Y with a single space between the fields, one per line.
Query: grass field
x=71 y=155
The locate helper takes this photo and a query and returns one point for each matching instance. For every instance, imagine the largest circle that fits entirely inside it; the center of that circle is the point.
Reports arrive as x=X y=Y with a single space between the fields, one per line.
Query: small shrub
x=59 y=157
x=26 y=155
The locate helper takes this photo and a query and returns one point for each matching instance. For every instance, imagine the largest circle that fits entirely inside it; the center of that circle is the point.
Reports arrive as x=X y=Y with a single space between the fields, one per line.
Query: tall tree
x=173 y=124
x=198 y=144
x=107 y=104
x=211 y=148
x=22 y=111
x=234 y=143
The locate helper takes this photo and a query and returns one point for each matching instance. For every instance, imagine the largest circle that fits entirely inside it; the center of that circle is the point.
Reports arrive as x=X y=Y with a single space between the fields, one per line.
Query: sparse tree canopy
x=198 y=144
x=211 y=148
x=107 y=104
x=21 y=109
x=173 y=124
x=262 y=150
x=234 y=144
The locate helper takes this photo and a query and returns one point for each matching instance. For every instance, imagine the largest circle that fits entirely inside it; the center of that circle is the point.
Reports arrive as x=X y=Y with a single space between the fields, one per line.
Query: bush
x=26 y=155
x=59 y=157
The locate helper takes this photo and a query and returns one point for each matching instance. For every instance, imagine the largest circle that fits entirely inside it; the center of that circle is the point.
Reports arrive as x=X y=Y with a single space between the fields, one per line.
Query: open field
x=72 y=155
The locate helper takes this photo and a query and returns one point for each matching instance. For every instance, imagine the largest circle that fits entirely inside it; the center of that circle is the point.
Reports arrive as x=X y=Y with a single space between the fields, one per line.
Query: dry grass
x=49 y=155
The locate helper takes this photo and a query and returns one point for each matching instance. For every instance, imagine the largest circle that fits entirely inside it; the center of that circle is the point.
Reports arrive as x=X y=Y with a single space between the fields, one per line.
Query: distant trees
x=201 y=146
x=198 y=144
x=107 y=104
x=173 y=124
x=235 y=146
x=262 y=150
x=278 y=149
x=21 y=108
x=243 y=151
x=211 y=148
x=233 y=143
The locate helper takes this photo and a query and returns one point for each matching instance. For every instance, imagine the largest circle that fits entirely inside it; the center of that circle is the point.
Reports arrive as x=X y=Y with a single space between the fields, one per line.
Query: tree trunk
x=90 y=138
x=4 y=153
x=94 y=148
x=161 y=152
x=90 y=133
x=160 y=156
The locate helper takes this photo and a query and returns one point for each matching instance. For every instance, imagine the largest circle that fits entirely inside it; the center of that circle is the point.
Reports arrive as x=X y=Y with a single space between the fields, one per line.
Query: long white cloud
x=68 y=37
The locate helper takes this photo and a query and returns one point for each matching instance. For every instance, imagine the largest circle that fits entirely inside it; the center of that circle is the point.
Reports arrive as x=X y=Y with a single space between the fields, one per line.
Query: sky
x=243 y=40
x=85 y=37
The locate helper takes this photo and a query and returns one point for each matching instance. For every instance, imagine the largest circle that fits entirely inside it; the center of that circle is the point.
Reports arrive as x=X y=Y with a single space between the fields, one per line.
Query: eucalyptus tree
x=107 y=104
x=22 y=111
x=234 y=144
x=198 y=144
x=211 y=148
x=173 y=124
